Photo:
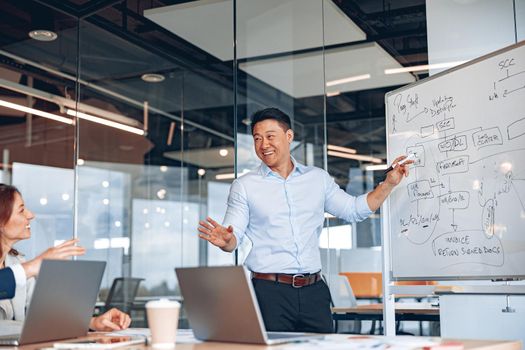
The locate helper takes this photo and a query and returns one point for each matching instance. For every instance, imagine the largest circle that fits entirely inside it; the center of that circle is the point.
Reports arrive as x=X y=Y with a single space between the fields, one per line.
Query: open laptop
x=221 y=306
x=62 y=303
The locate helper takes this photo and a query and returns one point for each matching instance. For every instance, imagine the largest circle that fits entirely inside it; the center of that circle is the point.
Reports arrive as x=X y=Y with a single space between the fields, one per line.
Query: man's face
x=272 y=143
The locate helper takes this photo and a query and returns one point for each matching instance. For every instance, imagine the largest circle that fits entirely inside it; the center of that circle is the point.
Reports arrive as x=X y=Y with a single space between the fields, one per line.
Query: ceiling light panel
x=266 y=23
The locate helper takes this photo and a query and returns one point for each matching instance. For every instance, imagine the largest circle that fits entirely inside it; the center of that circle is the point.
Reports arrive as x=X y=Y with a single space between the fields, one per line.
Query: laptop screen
x=63 y=300
x=221 y=304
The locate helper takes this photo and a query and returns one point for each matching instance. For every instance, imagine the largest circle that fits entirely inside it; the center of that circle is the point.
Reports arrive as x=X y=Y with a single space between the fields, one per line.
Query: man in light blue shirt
x=280 y=207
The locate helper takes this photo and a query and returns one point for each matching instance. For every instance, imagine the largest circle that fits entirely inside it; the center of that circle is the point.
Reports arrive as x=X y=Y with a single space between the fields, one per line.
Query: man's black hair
x=272 y=113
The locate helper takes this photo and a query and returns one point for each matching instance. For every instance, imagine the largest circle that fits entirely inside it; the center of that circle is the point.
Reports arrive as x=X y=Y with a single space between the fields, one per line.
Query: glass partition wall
x=37 y=82
x=124 y=123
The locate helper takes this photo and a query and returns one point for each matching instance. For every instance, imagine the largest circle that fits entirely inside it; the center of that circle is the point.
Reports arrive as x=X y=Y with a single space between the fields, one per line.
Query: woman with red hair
x=15 y=225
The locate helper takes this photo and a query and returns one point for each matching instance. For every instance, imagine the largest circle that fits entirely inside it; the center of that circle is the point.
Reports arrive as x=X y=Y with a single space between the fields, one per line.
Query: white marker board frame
x=461 y=212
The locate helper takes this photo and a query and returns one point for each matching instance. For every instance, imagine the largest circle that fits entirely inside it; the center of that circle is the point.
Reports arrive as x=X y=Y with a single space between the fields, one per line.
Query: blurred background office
x=124 y=122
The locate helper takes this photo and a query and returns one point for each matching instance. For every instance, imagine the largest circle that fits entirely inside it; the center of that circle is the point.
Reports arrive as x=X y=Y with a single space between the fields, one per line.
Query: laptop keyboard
x=10 y=327
x=280 y=335
x=10 y=332
x=9 y=339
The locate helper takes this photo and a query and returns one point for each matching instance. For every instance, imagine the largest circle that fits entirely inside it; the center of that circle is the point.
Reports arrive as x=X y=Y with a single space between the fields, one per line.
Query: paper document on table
x=102 y=342
x=410 y=342
x=184 y=336
x=133 y=331
x=10 y=327
x=339 y=341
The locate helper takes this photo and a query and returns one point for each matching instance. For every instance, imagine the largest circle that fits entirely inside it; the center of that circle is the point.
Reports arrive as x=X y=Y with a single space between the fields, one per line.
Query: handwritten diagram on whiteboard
x=461 y=211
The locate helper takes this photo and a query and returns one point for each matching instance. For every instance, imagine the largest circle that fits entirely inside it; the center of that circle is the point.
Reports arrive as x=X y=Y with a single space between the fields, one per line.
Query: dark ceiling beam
x=61 y=6
x=92 y=7
x=79 y=11
x=399 y=12
x=354 y=12
x=36 y=73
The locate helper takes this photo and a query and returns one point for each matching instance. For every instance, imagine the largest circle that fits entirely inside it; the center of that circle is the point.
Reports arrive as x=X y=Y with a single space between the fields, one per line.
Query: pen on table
x=411 y=156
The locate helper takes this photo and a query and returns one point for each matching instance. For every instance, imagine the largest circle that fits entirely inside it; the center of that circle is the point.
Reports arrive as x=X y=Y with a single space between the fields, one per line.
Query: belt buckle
x=298 y=275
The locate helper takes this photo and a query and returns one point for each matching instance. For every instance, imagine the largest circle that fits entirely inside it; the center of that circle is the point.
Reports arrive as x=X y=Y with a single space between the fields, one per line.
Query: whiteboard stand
x=389 y=314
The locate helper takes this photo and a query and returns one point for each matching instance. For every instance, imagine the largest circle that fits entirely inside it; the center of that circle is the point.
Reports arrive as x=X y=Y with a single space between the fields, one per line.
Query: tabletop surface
x=185 y=341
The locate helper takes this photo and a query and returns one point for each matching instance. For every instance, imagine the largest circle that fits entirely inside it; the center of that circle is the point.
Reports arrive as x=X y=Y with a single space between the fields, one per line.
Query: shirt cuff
x=237 y=240
x=361 y=205
x=226 y=224
x=20 y=275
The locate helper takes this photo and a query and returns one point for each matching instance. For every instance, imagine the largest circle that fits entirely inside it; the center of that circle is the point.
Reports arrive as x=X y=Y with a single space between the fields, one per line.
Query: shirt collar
x=297 y=167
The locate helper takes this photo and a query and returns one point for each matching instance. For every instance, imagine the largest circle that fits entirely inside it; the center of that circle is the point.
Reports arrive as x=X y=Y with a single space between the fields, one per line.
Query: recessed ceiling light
x=43 y=35
x=152 y=78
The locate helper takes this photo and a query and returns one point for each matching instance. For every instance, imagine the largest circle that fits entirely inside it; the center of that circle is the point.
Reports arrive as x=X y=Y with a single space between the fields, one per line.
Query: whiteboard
x=461 y=212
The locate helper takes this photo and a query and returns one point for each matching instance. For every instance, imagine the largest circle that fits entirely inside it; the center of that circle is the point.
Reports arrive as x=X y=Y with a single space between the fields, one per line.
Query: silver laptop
x=221 y=306
x=62 y=303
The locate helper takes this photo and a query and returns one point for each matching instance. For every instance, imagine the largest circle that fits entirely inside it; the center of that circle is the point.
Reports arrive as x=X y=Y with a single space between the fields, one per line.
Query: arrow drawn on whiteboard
x=508 y=92
x=453 y=224
x=410 y=118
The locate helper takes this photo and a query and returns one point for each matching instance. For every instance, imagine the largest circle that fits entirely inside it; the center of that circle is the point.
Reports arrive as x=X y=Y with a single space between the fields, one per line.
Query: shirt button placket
x=289 y=199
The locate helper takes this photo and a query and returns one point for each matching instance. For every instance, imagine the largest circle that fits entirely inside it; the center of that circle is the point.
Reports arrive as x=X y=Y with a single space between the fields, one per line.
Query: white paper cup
x=163 y=320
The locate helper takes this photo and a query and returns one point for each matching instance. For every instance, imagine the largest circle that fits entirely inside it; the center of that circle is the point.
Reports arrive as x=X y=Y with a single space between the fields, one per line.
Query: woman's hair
x=7 y=200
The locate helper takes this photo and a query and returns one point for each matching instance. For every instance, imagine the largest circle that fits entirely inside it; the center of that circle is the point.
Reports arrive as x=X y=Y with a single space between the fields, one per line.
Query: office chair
x=122 y=293
x=341 y=295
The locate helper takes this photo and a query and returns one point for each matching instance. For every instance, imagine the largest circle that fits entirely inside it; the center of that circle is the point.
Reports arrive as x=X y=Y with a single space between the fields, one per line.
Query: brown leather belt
x=297 y=281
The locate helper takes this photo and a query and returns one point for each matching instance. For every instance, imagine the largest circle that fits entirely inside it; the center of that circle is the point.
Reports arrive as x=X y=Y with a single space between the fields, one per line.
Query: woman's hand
x=112 y=320
x=60 y=252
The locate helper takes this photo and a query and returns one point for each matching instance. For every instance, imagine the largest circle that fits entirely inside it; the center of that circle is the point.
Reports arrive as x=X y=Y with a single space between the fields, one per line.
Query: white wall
x=461 y=30
x=520 y=19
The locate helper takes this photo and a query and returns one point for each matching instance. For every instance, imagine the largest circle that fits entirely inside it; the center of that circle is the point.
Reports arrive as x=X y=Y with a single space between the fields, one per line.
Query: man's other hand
x=217 y=235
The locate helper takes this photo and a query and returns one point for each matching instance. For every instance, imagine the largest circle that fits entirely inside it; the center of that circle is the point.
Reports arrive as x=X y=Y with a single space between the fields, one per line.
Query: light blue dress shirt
x=284 y=217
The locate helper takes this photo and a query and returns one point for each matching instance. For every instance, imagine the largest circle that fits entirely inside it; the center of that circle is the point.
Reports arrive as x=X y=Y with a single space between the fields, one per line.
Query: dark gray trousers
x=288 y=309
